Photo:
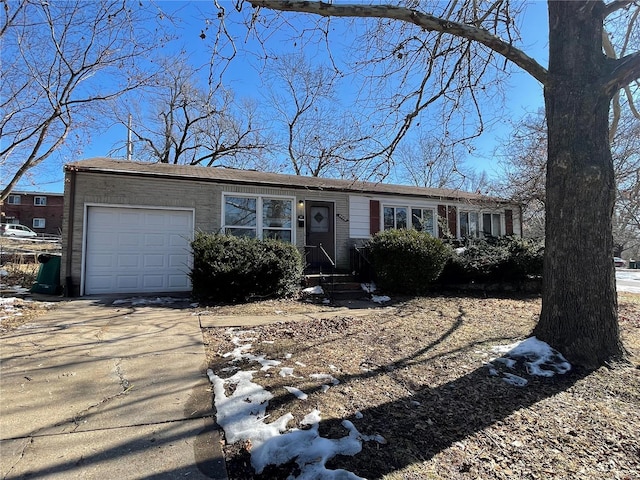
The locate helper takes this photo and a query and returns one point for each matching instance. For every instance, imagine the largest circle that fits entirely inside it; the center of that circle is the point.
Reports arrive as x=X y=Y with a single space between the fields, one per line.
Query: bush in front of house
x=234 y=269
x=508 y=259
x=525 y=258
x=407 y=261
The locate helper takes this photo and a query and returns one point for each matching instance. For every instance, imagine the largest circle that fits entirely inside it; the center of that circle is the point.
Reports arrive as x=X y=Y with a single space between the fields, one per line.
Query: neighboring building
x=128 y=225
x=41 y=212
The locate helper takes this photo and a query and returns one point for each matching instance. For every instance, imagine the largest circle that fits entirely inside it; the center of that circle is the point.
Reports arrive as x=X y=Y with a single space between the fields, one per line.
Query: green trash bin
x=48 y=279
x=633 y=264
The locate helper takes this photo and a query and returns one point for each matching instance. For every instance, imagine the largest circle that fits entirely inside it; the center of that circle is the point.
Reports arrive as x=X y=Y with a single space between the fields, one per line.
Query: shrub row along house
x=128 y=225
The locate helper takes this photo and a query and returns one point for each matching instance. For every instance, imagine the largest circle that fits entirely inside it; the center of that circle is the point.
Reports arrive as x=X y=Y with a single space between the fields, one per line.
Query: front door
x=320 y=243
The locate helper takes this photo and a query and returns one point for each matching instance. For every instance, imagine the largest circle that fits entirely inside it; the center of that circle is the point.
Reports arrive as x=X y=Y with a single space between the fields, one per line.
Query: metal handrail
x=362 y=255
x=327 y=255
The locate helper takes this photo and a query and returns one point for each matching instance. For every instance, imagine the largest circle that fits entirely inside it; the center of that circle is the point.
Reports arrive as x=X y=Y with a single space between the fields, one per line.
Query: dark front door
x=320 y=240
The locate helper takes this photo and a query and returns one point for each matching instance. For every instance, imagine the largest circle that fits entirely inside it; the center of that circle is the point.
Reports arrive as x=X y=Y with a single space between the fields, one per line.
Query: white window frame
x=434 y=218
x=39 y=223
x=468 y=213
x=40 y=201
x=259 y=228
x=491 y=230
x=409 y=219
x=395 y=208
x=14 y=199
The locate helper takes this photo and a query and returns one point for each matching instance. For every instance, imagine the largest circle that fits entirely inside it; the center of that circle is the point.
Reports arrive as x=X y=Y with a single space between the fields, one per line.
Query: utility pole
x=129 y=142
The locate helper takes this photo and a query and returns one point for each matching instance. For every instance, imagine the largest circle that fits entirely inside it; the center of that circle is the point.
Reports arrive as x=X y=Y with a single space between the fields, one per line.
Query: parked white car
x=16 y=230
x=619 y=262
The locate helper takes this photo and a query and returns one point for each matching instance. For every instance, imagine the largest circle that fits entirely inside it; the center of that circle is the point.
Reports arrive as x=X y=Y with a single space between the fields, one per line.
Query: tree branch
x=616 y=5
x=422 y=20
x=624 y=71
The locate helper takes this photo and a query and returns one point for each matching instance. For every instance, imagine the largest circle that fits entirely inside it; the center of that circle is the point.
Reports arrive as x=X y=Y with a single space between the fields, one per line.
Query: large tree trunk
x=579 y=302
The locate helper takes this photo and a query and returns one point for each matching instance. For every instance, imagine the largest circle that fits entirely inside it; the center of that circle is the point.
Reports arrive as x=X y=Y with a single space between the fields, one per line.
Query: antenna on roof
x=129 y=142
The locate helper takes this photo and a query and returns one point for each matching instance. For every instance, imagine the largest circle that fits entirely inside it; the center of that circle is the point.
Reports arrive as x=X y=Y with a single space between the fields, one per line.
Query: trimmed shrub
x=407 y=261
x=507 y=259
x=525 y=258
x=235 y=269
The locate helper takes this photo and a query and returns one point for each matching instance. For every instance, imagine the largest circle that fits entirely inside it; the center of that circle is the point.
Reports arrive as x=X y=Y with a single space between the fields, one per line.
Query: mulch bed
x=415 y=372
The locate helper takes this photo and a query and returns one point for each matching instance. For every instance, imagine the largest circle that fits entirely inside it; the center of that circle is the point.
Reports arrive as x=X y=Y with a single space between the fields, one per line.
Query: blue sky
x=523 y=93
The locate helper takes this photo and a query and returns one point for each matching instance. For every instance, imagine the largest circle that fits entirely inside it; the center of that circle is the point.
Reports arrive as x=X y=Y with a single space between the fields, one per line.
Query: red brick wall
x=26 y=211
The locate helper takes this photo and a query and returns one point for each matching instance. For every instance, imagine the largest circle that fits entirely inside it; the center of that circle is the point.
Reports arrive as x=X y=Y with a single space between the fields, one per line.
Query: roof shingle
x=252 y=177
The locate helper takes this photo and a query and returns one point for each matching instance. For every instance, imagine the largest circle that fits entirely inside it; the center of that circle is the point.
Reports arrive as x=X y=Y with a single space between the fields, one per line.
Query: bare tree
x=524 y=161
x=180 y=122
x=431 y=161
x=60 y=61
x=322 y=138
x=450 y=54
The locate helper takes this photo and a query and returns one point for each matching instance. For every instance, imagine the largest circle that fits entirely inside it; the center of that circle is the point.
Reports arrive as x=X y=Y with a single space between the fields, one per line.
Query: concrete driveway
x=97 y=391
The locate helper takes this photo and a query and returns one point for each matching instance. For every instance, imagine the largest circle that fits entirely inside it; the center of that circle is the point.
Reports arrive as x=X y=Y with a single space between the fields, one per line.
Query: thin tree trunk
x=579 y=302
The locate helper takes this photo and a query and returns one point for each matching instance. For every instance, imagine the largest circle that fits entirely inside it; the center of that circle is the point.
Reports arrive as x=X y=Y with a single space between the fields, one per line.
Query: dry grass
x=15 y=312
x=415 y=371
x=18 y=312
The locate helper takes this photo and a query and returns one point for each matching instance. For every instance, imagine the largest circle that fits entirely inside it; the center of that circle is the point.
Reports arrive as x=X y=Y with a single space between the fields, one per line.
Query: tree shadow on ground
x=418 y=427
x=426 y=421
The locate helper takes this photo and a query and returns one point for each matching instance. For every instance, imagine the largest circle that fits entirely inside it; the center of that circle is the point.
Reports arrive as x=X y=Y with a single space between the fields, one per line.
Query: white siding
x=359 y=217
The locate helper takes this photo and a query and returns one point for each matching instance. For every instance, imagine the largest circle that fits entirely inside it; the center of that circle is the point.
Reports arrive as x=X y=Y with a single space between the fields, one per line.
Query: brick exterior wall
x=25 y=212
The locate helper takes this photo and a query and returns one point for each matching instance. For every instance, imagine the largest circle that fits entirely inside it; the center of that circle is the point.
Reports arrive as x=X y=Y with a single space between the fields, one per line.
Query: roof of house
x=252 y=177
x=47 y=194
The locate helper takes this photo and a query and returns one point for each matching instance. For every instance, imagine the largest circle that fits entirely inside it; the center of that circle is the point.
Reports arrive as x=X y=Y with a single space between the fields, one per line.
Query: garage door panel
x=129 y=261
x=129 y=282
x=179 y=221
x=129 y=240
x=155 y=240
x=102 y=281
x=129 y=219
x=179 y=260
x=137 y=250
x=104 y=261
x=153 y=281
x=155 y=219
x=178 y=240
x=154 y=261
x=179 y=282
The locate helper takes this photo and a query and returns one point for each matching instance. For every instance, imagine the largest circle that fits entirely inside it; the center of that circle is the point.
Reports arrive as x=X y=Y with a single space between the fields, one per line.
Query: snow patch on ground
x=241 y=406
x=538 y=358
x=298 y=393
x=325 y=376
x=368 y=287
x=317 y=290
x=380 y=298
x=11 y=307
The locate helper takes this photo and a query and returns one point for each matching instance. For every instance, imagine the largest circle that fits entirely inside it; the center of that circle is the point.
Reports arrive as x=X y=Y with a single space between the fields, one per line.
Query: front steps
x=337 y=286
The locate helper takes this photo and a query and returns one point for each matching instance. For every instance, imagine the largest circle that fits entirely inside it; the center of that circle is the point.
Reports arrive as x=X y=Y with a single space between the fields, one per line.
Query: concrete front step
x=341 y=286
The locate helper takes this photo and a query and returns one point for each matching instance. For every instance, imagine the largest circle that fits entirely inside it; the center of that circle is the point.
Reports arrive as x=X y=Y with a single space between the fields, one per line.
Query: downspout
x=68 y=281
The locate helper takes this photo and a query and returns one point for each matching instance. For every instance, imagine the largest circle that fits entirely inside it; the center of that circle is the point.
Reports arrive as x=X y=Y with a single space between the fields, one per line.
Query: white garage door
x=137 y=250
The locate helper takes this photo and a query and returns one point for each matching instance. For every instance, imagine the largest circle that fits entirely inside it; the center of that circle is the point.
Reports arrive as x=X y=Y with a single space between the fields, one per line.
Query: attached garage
x=137 y=250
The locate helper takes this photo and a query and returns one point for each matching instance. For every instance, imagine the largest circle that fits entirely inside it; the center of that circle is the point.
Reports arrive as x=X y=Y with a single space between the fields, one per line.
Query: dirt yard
x=415 y=372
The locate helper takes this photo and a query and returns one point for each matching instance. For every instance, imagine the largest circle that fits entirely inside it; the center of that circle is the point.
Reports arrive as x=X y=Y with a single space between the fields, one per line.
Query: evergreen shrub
x=507 y=259
x=407 y=261
x=235 y=269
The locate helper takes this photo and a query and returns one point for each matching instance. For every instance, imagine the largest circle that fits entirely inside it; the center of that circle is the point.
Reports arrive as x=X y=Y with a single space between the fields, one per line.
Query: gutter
x=319 y=188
